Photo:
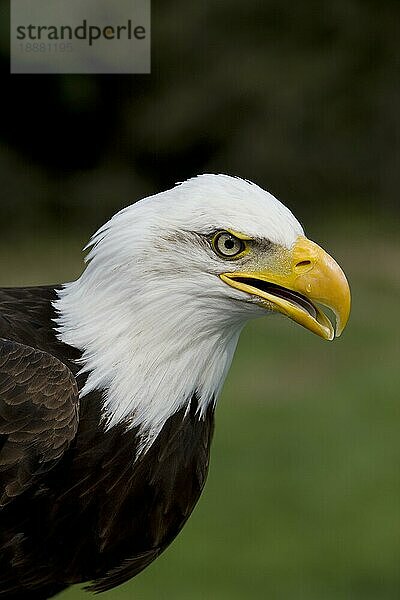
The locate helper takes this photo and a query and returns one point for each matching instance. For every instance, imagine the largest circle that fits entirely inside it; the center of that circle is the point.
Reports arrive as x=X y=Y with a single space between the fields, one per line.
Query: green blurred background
x=303 y=497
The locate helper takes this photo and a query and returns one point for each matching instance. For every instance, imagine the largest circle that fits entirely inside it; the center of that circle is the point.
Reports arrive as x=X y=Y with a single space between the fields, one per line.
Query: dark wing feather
x=38 y=415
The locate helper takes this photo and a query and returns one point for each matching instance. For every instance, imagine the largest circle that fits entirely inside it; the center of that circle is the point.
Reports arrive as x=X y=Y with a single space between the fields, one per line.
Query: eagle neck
x=147 y=356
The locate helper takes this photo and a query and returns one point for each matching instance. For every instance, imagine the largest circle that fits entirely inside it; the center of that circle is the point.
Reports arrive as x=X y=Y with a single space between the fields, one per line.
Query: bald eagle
x=108 y=384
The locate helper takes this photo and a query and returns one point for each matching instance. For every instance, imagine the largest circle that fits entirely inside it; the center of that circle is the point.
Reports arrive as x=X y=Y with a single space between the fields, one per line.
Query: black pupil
x=229 y=244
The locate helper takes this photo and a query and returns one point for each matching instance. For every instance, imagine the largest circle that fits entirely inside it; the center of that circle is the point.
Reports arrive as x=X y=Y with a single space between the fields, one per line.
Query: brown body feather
x=75 y=505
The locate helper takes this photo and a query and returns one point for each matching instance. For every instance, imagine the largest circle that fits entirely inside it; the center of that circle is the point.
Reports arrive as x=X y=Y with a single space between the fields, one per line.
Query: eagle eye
x=227 y=245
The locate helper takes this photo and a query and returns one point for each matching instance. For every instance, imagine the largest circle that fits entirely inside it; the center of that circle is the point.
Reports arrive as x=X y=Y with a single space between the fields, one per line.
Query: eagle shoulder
x=39 y=406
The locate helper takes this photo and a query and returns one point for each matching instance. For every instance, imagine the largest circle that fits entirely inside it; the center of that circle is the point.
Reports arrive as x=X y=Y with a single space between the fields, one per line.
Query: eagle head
x=220 y=238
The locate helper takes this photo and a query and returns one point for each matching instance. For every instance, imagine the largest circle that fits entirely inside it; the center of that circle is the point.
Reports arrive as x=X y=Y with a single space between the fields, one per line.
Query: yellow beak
x=294 y=281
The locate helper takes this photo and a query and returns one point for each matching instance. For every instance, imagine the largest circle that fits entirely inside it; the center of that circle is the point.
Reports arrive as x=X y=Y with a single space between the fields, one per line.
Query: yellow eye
x=227 y=245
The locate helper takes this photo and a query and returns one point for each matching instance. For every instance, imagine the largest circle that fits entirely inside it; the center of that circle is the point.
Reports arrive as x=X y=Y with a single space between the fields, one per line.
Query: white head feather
x=154 y=321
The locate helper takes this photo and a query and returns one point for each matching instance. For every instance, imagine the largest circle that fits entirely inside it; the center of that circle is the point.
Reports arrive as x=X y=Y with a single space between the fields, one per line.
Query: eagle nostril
x=303 y=263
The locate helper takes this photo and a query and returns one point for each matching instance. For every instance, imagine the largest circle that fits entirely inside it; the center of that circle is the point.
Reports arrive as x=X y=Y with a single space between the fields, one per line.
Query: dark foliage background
x=302 y=97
